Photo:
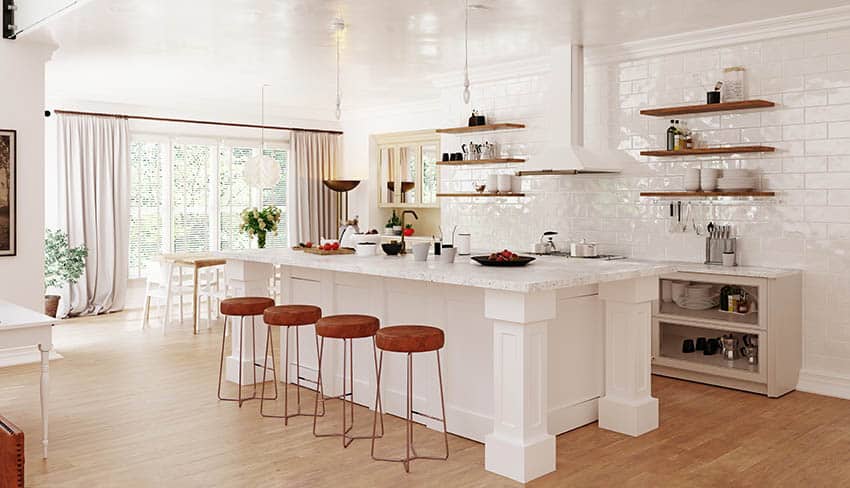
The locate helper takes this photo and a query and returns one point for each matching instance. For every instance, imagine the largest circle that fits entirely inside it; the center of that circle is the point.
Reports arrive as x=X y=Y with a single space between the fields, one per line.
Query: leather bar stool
x=410 y=339
x=242 y=307
x=347 y=328
x=287 y=316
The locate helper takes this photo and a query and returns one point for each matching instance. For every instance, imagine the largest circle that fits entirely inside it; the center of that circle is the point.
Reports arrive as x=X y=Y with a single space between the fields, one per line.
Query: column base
x=519 y=462
x=632 y=418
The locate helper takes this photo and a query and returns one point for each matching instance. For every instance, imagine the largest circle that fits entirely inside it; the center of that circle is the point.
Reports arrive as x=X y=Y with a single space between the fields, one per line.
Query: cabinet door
x=430 y=172
x=387 y=172
x=409 y=172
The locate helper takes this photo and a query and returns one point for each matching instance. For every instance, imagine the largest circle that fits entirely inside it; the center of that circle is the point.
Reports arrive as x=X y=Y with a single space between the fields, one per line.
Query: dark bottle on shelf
x=671 y=136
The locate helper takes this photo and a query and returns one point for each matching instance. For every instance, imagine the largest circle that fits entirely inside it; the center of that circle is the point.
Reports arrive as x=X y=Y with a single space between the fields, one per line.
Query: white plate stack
x=736 y=180
x=692 y=179
x=698 y=296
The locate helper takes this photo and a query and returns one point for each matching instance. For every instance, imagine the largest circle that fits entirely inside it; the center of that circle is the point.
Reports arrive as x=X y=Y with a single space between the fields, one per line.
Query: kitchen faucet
x=403 y=226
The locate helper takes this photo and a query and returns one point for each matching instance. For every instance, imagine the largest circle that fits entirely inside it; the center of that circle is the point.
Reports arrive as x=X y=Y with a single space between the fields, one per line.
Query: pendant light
x=338 y=26
x=466 y=93
x=261 y=171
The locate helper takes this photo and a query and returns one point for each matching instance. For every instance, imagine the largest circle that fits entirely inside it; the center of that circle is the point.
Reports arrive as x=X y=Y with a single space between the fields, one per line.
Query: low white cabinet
x=776 y=326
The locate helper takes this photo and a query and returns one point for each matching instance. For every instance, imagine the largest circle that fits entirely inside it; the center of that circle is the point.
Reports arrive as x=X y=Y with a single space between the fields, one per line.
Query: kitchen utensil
x=546 y=244
x=688 y=346
x=486 y=151
x=700 y=344
x=712 y=97
x=446 y=156
x=708 y=179
x=486 y=261
x=479 y=188
x=448 y=255
x=493 y=183
x=729 y=259
x=463 y=244
x=504 y=182
x=420 y=251
x=366 y=248
x=711 y=347
x=751 y=353
x=391 y=248
x=692 y=179
x=584 y=249
x=729 y=347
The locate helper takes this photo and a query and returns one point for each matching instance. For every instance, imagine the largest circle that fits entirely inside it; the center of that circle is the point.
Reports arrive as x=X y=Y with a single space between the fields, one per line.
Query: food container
x=493 y=183
x=448 y=255
x=504 y=182
x=366 y=248
x=583 y=249
x=733 y=84
x=420 y=251
x=463 y=244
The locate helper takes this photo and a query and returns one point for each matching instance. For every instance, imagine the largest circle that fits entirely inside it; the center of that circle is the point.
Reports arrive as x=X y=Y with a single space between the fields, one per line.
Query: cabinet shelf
x=484 y=194
x=708 y=194
x=481 y=128
x=708 y=150
x=480 y=161
x=705 y=108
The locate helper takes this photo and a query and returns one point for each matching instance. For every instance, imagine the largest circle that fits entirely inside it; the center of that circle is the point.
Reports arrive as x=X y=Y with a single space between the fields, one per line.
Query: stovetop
x=604 y=257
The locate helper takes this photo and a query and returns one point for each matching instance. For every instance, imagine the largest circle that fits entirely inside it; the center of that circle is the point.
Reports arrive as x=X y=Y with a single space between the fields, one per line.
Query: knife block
x=714 y=249
x=11 y=454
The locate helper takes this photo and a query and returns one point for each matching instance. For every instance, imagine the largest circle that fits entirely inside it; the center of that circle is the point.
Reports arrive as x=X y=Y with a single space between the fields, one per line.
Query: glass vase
x=261 y=240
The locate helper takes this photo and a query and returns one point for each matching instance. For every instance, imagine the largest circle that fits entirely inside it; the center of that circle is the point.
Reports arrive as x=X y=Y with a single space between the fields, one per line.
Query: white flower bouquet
x=260 y=222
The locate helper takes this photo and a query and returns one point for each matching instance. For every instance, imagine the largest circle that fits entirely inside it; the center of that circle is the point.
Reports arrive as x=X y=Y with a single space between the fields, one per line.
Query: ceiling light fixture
x=466 y=93
x=262 y=171
x=338 y=26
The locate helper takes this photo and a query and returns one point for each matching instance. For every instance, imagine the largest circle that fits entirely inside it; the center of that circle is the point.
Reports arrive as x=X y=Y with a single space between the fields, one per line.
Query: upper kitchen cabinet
x=407 y=169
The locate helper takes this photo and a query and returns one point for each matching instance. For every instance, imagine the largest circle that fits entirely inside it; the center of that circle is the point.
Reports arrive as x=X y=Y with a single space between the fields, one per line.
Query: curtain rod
x=190 y=121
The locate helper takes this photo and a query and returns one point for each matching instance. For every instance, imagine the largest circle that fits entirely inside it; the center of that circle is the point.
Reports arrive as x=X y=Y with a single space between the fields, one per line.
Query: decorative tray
x=486 y=261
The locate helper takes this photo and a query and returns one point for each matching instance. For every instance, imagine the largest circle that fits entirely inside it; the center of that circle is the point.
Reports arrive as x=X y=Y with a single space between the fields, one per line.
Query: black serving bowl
x=391 y=248
x=486 y=261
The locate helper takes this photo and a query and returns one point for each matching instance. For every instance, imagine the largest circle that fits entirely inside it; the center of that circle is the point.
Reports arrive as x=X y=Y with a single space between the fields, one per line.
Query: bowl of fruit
x=503 y=258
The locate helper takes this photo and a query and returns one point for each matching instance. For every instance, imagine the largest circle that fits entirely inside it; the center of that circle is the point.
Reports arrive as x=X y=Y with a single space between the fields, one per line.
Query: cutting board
x=314 y=250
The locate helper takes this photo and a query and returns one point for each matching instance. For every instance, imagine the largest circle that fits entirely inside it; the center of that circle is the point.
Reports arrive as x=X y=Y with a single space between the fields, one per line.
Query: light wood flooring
x=132 y=408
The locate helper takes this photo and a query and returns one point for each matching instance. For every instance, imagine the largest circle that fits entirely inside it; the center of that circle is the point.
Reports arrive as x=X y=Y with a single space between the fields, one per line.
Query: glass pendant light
x=261 y=171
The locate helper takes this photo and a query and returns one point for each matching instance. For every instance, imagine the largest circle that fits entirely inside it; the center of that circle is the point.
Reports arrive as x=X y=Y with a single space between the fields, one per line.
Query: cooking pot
x=584 y=249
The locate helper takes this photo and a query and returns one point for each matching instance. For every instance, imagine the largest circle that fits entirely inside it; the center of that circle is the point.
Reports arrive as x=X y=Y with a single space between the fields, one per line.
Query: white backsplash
x=807 y=226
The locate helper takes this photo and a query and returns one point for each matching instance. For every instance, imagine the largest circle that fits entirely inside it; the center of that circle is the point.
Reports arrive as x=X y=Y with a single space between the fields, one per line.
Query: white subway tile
x=828 y=180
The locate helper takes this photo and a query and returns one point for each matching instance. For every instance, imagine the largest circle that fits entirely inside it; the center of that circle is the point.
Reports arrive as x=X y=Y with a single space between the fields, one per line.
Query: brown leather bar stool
x=242 y=307
x=347 y=328
x=287 y=316
x=410 y=339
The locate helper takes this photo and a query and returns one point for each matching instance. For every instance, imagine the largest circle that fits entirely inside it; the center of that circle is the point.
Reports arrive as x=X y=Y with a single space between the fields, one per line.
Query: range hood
x=565 y=154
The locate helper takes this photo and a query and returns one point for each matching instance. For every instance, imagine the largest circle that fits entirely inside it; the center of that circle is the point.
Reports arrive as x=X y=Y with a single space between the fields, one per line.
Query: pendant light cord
x=339 y=25
x=263 y=118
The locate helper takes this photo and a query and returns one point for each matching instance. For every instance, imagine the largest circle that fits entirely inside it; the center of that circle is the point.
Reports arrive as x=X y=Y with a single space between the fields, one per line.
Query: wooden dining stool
x=242 y=307
x=410 y=339
x=348 y=328
x=287 y=317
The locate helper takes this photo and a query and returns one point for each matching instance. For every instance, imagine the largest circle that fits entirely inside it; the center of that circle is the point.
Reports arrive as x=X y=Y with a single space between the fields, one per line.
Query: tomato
x=308 y=244
x=408 y=232
x=335 y=246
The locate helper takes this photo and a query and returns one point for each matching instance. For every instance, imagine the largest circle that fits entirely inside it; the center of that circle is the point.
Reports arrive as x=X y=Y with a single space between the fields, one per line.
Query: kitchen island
x=530 y=352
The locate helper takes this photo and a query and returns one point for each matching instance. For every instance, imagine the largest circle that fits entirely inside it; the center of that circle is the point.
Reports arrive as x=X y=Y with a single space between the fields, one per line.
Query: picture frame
x=8 y=209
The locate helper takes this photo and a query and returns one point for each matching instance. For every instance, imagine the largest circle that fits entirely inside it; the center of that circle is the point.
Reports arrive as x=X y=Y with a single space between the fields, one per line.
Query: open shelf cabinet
x=707 y=108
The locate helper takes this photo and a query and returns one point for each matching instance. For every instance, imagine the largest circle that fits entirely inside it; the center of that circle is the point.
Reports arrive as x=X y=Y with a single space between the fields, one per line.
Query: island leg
x=520 y=446
x=628 y=406
x=247 y=278
x=45 y=393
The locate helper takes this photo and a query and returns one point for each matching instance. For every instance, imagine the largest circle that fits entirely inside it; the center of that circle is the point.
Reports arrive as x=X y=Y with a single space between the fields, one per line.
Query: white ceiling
x=218 y=52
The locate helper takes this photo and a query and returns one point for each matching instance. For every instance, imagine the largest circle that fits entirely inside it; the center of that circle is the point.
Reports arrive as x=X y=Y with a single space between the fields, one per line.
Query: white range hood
x=565 y=154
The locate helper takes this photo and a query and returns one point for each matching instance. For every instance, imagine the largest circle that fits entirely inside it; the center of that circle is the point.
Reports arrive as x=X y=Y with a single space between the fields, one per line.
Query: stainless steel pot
x=584 y=249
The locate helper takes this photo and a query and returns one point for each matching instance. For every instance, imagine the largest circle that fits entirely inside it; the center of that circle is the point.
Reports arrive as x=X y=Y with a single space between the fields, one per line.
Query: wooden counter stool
x=287 y=316
x=347 y=328
x=410 y=339
x=242 y=307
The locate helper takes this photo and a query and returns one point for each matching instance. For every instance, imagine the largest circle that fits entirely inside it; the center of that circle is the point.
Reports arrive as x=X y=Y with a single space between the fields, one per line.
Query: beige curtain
x=94 y=174
x=312 y=206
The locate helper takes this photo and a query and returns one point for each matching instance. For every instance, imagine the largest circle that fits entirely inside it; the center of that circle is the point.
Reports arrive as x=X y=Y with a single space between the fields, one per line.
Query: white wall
x=22 y=86
x=806 y=227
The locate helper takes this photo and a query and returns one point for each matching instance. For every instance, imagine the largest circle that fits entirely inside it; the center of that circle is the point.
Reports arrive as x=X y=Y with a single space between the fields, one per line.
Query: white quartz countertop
x=546 y=273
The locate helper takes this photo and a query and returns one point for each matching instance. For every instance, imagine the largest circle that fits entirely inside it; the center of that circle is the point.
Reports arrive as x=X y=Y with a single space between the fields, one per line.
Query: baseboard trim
x=823 y=383
x=24 y=355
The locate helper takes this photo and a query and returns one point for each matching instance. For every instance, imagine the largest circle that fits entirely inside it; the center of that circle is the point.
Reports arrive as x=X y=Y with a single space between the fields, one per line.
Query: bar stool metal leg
x=409 y=447
x=270 y=346
x=345 y=397
x=239 y=399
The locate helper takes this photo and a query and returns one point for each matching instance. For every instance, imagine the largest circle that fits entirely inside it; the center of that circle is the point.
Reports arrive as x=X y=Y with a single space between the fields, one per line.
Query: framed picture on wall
x=7 y=192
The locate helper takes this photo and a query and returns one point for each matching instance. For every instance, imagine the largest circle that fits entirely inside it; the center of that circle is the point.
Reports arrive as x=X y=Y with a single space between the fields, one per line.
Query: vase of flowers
x=260 y=223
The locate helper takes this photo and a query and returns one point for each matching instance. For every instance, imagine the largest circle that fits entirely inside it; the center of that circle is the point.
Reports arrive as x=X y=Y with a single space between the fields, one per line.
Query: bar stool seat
x=245 y=306
x=288 y=316
x=348 y=326
x=410 y=338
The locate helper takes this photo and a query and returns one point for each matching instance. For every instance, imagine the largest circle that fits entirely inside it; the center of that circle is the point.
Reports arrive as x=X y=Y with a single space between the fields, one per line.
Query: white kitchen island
x=530 y=352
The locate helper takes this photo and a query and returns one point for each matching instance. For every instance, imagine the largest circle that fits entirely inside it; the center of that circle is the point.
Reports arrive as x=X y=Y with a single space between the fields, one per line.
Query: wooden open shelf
x=707 y=194
x=481 y=128
x=484 y=194
x=708 y=150
x=480 y=161
x=704 y=108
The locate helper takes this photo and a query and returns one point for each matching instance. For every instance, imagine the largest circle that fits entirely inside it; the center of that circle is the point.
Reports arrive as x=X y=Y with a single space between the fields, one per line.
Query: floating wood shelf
x=484 y=194
x=480 y=161
x=709 y=150
x=481 y=128
x=703 y=108
x=708 y=194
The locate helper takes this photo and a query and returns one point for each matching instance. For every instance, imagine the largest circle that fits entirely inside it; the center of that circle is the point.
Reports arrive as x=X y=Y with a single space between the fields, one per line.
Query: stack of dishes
x=736 y=179
x=692 y=179
x=698 y=296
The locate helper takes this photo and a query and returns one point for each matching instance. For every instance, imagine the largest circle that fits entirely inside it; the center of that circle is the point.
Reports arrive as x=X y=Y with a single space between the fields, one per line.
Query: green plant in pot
x=63 y=264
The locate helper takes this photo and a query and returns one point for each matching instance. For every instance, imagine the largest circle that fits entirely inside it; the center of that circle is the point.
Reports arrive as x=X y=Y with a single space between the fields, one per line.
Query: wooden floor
x=131 y=408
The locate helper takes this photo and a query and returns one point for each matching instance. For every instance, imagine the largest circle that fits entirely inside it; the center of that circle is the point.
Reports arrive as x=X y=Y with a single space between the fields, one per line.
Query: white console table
x=21 y=327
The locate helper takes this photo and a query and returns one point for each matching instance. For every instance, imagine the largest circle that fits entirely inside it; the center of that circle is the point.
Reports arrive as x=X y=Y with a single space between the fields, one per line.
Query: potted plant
x=260 y=222
x=62 y=264
x=395 y=224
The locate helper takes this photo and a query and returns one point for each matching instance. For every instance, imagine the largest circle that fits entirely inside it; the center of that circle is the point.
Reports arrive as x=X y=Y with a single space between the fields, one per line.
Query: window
x=186 y=195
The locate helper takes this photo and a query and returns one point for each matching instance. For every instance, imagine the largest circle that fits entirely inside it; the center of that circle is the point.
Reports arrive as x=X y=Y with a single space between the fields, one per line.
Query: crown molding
x=759 y=30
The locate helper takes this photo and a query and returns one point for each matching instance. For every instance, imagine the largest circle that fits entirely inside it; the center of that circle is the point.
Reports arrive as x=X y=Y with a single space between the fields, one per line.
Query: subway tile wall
x=807 y=226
